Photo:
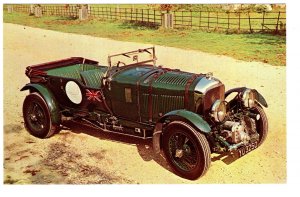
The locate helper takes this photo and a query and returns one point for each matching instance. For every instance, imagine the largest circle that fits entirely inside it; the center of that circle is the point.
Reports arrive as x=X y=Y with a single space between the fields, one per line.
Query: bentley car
x=187 y=115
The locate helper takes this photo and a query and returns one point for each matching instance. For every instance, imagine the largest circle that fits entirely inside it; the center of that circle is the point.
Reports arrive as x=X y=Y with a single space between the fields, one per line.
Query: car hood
x=168 y=79
x=185 y=81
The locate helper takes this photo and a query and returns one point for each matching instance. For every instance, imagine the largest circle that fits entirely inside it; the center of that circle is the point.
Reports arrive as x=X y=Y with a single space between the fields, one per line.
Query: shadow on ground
x=144 y=146
x=12 y=128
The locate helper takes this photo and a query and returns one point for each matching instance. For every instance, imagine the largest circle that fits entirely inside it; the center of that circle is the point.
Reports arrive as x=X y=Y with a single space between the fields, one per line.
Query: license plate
x=246 y=149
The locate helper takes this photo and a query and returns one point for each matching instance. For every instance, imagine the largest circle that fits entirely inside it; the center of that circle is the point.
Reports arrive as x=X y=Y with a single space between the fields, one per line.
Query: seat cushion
x=93 y=78
x=72 y=72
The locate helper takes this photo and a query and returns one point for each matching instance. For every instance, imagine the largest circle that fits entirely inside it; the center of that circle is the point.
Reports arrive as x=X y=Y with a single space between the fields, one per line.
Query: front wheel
x=37 y=117
x=186 y=150
x=261 y=123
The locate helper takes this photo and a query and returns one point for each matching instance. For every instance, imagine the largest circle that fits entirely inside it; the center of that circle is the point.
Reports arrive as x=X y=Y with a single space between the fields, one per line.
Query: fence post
x=167 y=20
x=148 y=16
x=175 y=18
x=75 y=12
x=171 y=20
x=110 y=13
x=89 y=9
x=191 y=20
x=31 y=10
x=69 y=11
x=200 y=20
x=249 y=22
x=136 y=14
x=263 y=23
x=115 y=15
x=142 y=15
x=208 y=20
x=228 y=21
x=10 y=8
x=182 y=23
x=118 y=10
x=154 y=18
x=239 y=21
x=217 y=20
x=38 y=11
x=164 y=20
x=83 y=13
x=106 y=13
x=277 y=22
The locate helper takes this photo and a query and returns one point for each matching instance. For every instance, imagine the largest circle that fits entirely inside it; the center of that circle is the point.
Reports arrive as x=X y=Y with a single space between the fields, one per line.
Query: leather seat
x=90 y=75
x=72 y=72
x=93 y=78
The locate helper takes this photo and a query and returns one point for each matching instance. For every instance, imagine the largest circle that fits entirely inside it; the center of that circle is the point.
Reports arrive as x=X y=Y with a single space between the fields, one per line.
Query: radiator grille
x=162 y=103
x=169 y=103
x=211 y=96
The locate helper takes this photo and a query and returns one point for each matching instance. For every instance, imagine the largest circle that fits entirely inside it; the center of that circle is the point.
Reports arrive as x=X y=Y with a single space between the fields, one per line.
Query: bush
x=262 y=8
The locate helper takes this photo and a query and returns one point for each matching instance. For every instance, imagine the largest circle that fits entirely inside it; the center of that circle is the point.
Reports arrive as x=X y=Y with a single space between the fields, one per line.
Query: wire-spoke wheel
x=186 y=150
x=37 y=118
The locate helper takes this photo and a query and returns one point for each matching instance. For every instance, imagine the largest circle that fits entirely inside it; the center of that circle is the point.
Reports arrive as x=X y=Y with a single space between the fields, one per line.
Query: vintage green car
x=187 y=115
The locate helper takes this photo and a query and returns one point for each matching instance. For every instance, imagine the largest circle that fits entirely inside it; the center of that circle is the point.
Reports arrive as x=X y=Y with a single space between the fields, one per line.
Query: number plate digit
x=246 y=149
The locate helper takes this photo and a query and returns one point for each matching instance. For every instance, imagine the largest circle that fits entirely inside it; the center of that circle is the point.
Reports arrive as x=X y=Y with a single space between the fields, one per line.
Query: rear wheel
x=37 y=118
x=186 y=150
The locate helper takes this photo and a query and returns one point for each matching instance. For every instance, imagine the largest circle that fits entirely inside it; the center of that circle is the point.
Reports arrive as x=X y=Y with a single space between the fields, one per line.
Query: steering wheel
x=119 y=62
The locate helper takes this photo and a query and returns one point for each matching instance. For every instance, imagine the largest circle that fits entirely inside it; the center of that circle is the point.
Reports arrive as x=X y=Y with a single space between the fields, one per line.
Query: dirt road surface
x=81 y=155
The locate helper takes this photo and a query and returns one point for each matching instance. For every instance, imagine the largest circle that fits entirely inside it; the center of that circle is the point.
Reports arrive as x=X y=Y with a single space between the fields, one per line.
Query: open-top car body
x=187 y=115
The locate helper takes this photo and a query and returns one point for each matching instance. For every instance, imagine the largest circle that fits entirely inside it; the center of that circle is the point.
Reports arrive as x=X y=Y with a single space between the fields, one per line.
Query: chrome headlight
x=218 y=110
x=248 y=98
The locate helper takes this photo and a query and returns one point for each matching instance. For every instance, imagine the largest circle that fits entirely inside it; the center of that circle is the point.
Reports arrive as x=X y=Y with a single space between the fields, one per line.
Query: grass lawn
x=250 y=47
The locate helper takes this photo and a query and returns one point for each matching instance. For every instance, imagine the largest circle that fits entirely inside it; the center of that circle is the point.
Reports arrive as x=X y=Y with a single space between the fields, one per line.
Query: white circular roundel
x=73 y=92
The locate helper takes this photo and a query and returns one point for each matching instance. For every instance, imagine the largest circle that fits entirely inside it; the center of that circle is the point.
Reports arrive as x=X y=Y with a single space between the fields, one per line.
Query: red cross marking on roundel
x=93 y=95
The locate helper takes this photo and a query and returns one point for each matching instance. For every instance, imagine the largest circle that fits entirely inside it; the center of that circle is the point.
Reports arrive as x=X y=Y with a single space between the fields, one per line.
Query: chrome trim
x=205 y=84
x=215 y=110
x=248 y=98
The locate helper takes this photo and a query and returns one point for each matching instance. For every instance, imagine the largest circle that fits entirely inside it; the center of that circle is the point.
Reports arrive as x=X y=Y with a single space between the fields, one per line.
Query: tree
x=166 y=7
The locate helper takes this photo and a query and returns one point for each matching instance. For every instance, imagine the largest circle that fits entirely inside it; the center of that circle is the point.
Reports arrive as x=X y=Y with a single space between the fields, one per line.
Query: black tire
x=261 y=124
x=37 y=119
x=192 y=156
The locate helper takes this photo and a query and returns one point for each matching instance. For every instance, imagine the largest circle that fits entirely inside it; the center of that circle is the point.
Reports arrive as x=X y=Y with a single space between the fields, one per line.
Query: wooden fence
x=146 y=17
x=234 y=22
x=71 y=11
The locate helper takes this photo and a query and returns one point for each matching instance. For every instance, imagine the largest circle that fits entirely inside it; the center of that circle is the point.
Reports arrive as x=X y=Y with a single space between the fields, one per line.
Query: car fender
x=194 y=119
x=259 y=98
x=49 y=98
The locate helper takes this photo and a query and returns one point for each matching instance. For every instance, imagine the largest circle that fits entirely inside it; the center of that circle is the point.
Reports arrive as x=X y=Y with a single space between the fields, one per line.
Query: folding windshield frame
x=132 y=54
